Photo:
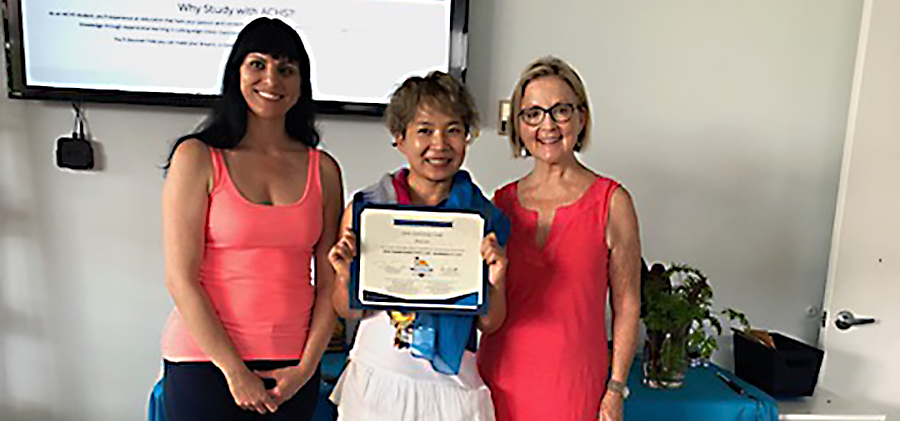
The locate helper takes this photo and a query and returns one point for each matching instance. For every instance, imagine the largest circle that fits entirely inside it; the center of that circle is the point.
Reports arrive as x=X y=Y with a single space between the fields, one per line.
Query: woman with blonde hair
x=574 y=238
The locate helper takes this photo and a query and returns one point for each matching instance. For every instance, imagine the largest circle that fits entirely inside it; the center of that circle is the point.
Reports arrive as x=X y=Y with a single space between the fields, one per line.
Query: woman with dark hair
x=249 y=205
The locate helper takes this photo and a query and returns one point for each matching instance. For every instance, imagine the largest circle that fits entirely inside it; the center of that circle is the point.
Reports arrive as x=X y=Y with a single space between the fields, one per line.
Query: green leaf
x=679 y=300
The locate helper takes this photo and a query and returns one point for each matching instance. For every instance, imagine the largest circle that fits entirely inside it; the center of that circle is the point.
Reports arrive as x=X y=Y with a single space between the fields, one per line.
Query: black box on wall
x=75 y=154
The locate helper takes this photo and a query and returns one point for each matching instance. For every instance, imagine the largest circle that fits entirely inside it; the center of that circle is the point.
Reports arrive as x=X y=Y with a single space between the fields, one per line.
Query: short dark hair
x=437 y=90
x=226 y=123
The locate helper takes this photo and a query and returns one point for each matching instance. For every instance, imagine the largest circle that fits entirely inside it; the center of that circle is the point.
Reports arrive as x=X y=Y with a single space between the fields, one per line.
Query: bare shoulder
x=190 y=175
x=621 y=197
x=620 y=204
x=192 y=153
x=192 y=158
x=622 y=218
x=328 y=165
x=329 y=170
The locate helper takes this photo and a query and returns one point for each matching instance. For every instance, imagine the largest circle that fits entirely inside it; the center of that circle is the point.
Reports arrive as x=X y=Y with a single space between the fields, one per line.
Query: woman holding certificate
x=249 y=204
x=418 y=365
x=574 y=237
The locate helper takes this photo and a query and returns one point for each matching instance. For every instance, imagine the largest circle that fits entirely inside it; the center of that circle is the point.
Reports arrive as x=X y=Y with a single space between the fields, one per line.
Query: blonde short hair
x=439 y=91
x=549 y=66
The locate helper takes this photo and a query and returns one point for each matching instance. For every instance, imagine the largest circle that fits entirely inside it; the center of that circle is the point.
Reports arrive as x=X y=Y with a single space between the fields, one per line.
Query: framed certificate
x=419 y=259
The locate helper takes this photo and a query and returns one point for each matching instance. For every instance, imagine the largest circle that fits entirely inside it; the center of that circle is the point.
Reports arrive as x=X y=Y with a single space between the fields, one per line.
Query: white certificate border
x=411 y=305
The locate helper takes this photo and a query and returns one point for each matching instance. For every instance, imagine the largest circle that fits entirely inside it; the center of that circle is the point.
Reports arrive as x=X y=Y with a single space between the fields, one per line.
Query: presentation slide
x=360 y=49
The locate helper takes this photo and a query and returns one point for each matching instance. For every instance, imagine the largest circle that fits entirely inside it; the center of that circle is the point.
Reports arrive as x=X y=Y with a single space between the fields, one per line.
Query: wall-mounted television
x=172 y=52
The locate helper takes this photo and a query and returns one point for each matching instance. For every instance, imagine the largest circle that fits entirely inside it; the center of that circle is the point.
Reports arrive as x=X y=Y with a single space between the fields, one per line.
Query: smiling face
x=434 y=144
x=270 y=85
x=550 y=141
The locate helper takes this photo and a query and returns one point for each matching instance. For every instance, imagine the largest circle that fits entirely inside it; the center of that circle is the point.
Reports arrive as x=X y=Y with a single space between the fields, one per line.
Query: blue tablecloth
x=703 y=397
x=332 y=365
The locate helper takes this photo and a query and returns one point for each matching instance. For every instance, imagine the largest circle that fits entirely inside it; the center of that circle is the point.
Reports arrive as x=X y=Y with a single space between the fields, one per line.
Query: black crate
x=789 y=370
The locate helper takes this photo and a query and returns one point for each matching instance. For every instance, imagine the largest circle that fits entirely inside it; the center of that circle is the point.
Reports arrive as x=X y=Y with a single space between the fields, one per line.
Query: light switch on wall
x=503 y=117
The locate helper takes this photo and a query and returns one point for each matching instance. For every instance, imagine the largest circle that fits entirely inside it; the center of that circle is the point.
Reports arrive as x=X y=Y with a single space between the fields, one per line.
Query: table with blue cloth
x=704 y=396
x=332 y=365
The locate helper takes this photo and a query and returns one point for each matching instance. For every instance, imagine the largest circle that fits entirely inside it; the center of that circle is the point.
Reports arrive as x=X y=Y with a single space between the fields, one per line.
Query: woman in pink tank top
x=250 y=211
x=574 y=238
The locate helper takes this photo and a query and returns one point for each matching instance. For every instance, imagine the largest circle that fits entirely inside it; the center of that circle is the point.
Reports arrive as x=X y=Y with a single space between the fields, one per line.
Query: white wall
x=724 y=119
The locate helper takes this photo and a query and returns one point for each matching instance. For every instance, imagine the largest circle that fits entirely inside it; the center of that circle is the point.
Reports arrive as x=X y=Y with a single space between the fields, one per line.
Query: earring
x=522 y=151
x=394 y=144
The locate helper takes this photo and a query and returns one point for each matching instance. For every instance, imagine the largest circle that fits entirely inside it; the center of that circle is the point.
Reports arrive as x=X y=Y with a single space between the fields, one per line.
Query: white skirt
x=368 y=393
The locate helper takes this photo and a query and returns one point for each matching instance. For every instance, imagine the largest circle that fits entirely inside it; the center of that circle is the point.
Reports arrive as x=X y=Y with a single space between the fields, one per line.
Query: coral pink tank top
x=256 y=271
x=549 y=359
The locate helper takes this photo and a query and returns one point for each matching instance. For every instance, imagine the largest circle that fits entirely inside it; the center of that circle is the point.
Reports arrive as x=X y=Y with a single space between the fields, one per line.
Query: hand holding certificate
x=419 y=260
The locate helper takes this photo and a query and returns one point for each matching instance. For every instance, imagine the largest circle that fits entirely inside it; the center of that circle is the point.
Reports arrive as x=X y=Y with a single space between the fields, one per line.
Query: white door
x=862 y=363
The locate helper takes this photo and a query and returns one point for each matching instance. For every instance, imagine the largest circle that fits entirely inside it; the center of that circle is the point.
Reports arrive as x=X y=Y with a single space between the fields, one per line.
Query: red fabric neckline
x=401 y=187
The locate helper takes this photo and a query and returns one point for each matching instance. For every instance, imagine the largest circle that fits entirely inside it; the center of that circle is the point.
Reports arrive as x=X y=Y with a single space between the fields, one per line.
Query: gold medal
x=403 y=323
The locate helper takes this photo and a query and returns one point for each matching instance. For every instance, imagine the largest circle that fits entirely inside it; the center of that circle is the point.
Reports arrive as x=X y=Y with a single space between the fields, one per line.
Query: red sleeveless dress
x=549 y=360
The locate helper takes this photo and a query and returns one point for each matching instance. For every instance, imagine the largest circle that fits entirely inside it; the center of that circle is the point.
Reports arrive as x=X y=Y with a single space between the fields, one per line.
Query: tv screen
x=173 y=52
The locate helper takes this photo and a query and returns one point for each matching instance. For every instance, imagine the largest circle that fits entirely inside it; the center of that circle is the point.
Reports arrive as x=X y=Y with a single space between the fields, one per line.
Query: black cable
x=80 y=123
x=77 y=121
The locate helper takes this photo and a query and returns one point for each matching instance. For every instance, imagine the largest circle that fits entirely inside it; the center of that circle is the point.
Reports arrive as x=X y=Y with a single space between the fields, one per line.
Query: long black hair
x=226 y=124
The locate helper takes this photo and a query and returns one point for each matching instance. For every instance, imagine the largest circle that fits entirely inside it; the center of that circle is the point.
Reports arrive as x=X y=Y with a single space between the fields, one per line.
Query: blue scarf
x=439 y=338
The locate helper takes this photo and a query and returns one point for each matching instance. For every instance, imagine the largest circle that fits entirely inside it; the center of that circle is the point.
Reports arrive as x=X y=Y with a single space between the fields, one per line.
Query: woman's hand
x=495 y=257
x=341 y=254
x=288 y=381
x=611 y=407
x=249 y=392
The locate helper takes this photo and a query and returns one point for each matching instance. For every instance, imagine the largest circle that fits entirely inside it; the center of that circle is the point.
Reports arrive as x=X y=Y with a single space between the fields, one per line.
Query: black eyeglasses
x=559 y=113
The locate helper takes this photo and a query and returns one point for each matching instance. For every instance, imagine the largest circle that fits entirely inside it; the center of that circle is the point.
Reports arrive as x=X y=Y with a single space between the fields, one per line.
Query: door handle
x=845 y=320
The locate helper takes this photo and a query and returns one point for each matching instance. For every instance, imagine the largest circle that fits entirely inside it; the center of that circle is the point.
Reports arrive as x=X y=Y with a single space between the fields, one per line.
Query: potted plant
x=676 y=308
